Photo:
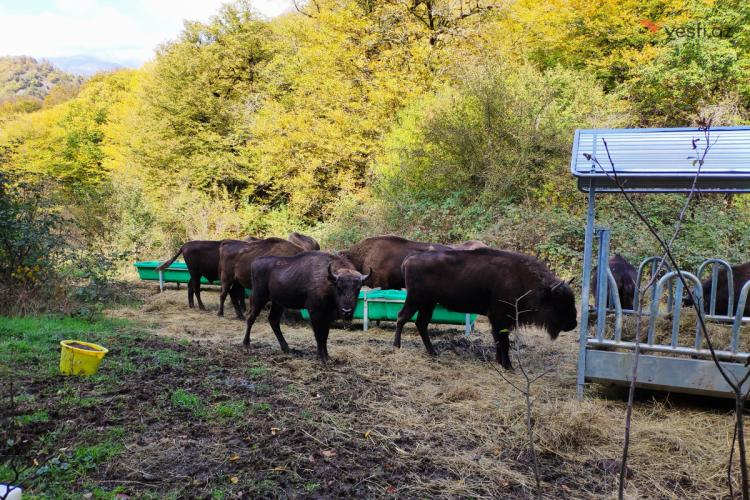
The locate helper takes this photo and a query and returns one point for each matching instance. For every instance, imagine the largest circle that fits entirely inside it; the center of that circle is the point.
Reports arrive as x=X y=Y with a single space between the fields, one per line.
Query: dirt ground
x=401 y=423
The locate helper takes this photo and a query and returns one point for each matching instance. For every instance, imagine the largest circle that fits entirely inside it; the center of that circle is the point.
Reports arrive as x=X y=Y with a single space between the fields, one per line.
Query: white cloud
x=71 y=27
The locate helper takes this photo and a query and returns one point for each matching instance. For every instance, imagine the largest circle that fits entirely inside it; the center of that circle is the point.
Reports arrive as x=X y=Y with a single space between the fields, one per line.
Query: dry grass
x=456 y=429
x=721 y=332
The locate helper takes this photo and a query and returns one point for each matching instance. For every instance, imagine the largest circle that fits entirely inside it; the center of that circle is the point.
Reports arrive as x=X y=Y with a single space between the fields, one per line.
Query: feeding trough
x=656 y=161
x=177 y=272
x=384 y=305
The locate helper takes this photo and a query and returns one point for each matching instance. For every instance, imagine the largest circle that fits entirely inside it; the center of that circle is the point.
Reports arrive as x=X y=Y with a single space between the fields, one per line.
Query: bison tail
x=168 y=263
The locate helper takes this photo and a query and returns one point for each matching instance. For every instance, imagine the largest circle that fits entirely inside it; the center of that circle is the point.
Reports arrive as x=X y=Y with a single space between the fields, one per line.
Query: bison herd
x=510 y=288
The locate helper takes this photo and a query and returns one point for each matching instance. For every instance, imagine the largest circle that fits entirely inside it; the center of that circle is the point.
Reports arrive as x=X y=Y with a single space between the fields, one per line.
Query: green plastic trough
x=176 y=273
x=384 y=305
x=381 y=305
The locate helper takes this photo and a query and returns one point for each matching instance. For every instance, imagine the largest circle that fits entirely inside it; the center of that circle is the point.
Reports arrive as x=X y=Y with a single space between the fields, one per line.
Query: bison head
x=557 y=308
x=347 y=282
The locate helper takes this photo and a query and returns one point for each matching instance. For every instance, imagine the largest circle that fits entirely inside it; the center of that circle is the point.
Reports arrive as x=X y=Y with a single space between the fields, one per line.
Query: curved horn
x=364 y=277
x=556 y=285
x=331 y=276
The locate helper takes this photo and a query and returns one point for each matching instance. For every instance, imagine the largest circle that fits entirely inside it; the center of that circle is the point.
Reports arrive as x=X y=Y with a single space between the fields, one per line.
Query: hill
x=86 y=66
x=26 y=77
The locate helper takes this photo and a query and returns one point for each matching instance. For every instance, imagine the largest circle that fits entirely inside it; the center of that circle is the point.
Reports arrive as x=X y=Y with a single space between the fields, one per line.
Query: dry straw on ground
x=456 y=429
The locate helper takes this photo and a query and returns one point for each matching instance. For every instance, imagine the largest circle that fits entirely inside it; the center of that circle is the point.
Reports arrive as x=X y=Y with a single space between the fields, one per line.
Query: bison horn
x=364 y=277
x=556 y=286
x=331 y=276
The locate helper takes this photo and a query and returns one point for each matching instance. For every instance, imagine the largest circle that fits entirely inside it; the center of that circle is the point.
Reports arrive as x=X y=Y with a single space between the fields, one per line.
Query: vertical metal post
x=467 y=325
x=602 y=281
x=739 y=314
x=365 y=315
x=161 y=281
x=585 y=285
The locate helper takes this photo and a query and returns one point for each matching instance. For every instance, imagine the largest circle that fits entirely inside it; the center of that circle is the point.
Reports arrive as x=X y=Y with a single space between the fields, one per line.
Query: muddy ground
x=211 y=419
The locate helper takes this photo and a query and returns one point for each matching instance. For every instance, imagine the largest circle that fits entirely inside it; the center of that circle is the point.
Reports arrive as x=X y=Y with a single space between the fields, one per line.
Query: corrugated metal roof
x=663 y=159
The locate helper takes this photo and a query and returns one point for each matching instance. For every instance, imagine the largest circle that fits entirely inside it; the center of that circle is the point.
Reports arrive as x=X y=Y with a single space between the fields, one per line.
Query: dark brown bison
x=740 y=276
x=625 y=275
x=305 y=242
x=486 y=281
x=202 y=260
x=236 y=259
x=326 y=285
x=384 y=255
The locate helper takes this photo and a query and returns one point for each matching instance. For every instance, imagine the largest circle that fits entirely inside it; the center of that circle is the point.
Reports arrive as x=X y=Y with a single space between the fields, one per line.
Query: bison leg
x=404 y=315
x=502 y=344
x=423 y=320
x=237 y=296
x=191 y=303
x=196 y=279
x=225 y=289
x=274 y=319
x=321 y=325
x=258 y=305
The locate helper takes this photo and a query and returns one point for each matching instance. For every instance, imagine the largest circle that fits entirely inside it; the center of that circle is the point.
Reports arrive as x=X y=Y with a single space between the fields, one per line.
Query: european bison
x=625 y=275
x=326 y=285
x=305 y=242
x=202 y=260
x=384 y=255
x=486 y=281
x=236 y=258
x=740 y=275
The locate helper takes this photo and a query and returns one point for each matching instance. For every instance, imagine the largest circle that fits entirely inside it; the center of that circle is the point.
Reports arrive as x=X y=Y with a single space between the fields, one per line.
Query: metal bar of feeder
x=739 y=316
x=585 y=288
x=601 y=282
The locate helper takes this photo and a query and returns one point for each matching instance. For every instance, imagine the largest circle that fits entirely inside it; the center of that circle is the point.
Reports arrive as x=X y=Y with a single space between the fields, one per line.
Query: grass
x=230 y=410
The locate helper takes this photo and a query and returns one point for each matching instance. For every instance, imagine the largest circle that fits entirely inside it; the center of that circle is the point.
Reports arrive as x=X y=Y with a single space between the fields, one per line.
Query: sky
x=121 y=31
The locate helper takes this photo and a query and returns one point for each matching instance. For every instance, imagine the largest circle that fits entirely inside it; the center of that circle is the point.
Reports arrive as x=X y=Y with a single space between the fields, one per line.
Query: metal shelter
x=664 y=160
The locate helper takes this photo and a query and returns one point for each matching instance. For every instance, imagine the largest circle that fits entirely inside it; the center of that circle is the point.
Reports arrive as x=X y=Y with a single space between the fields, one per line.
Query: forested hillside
x=25 y=77
x=437 y=119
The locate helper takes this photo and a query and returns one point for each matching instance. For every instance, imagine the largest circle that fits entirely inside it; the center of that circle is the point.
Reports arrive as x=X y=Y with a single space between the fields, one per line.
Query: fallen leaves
x=328 y=453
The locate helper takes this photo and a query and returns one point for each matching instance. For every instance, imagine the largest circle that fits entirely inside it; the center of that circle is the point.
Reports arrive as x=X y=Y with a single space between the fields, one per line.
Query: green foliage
x=31 y=245
x=372 y=117
x=504 y=137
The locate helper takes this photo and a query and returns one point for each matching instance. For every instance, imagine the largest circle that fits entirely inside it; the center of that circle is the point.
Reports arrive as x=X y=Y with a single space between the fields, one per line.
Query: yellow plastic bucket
x=80 y=358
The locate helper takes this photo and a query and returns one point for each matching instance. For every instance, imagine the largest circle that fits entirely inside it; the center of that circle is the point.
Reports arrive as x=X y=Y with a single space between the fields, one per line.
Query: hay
x=720 y=332
x=460 y=425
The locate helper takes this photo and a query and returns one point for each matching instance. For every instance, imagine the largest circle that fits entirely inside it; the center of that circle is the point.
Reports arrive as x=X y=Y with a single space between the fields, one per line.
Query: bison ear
x=331 y=277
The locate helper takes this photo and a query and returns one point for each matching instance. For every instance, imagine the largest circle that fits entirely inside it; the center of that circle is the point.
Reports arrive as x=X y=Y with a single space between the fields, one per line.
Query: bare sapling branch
x=525 y=389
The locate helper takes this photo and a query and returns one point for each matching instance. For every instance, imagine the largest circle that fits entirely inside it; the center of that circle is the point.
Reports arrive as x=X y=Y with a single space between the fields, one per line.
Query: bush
x=31 y=246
